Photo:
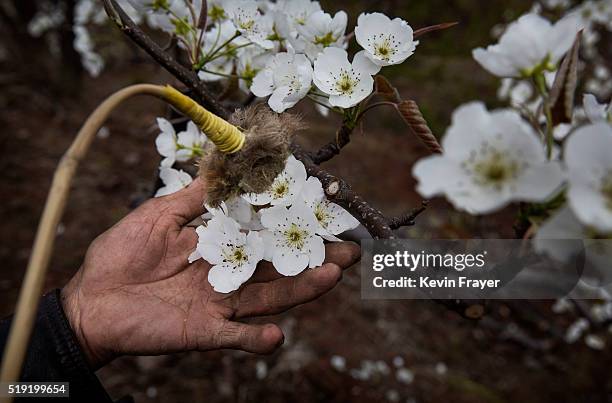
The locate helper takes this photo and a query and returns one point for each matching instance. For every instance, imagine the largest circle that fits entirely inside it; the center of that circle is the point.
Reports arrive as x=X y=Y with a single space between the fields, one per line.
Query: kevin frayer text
x=427 y=282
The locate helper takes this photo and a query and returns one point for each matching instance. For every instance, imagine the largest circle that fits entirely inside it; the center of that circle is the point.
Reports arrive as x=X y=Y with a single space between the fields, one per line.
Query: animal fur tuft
x=258 y=163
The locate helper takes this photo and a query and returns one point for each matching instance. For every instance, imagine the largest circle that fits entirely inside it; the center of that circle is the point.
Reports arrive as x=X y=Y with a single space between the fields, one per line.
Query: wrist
x=71 y=304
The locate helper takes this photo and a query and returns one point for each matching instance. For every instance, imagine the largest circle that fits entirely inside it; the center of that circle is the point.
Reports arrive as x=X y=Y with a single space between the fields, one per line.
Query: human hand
x=136 y=293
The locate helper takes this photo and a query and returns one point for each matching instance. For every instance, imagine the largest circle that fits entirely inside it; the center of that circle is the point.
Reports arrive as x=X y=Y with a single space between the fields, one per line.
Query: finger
x=187 y=240
x=279 y=295
x=188 y=204
x=260 y=339
x=343 y=254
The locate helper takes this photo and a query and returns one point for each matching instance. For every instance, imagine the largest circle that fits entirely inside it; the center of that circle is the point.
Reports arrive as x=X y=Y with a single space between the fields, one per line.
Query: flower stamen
x=295 y=237
x=346 y=83
x=492 y=167
x=322 y=215
x=384 y=49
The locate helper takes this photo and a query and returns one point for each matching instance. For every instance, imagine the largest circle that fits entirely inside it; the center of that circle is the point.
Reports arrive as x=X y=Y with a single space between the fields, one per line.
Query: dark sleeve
x=54 y=355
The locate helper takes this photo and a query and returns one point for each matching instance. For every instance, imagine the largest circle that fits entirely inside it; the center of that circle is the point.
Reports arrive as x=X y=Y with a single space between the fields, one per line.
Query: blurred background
x=339 y=348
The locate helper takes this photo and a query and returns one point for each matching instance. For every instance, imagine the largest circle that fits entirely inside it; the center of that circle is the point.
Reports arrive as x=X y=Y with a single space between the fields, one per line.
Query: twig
x=433 y=28
x=338 y=191
x=372 y=106
x=407 y=219
x=186 y=76
x=331 y=149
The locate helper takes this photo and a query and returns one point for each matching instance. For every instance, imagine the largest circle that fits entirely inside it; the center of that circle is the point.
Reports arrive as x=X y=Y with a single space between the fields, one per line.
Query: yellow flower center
x=295 y=236
x=247 y=25
x=346 y=84
x=323 y=217
x=325 y=40
x=280 y=189
x=237 y=255
x=384 y=50
x=493 y=168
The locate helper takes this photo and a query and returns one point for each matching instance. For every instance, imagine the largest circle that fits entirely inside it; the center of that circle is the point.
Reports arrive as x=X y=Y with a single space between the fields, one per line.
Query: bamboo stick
x=30 y=293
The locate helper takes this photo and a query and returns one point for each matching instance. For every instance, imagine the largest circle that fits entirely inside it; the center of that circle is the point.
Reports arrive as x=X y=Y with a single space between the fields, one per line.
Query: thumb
x=188 y=204
x=253 y=338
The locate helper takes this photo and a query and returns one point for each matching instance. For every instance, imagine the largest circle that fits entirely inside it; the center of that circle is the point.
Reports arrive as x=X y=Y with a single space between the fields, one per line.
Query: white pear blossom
x=166 y=142
x=385 y=41
x=238 y=209
x=250 y=22
x=588 y=158
x=297 y=11
x=595 y=111
x=332 y=219
x=319 y=32
x=219 y=67
x=287 y=77
x=346 y=83
x=233 y=254
x=190 y=143
x=286 y=187
x=187 y=145
x=530 y=44
x=251 y=60
x=291 y=242
x=173 y=179
x=490 y=159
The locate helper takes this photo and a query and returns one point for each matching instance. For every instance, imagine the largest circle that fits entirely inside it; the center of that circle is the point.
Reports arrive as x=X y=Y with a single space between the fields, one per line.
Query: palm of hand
x=136 y=293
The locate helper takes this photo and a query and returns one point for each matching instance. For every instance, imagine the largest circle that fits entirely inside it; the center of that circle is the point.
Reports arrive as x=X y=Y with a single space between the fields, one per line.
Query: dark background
x=44 y=98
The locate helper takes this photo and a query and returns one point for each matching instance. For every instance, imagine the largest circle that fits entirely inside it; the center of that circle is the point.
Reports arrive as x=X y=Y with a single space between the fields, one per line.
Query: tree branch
x=331 y=149
x=186 y=76
x=408 y=218
x=338 y=191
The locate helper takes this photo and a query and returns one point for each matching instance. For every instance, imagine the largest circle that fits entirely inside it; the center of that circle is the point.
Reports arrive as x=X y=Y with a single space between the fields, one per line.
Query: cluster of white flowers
x=182 y=147
x=285 y=225
x=285 y=50
x=493 y=158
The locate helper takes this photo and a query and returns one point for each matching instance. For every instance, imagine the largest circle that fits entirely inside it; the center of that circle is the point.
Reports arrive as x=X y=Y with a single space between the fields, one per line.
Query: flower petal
x=288 y=262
